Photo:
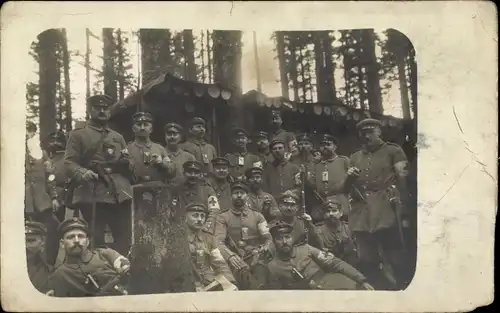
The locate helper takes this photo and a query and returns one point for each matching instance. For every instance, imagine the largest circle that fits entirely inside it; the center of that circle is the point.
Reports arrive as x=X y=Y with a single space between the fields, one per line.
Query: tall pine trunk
x=48 y=79
x=324 y=66
x=155 y=56
x=372 y=71
x=189 y=55
x=280 y=45
x=120 y=69
x=109 y=51
x=67 y=91
x=403 y=86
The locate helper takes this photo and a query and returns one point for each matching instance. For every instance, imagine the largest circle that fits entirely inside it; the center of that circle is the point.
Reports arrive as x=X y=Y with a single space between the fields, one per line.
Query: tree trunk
x=48 y=80
x=189 y=55
x=293 y=66
x=412 y=66
x=67 y=91
x=403 y=86
x=120 y=69
x=280 y=45
x=372 y=75
x=155 y=54
x=109 y=51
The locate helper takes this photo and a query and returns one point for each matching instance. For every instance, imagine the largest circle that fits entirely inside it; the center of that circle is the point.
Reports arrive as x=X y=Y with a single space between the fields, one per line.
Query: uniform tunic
x=375 y=183
x=148 y=172
x=308 y=162
x=79 y=143
x=222 y=191
x=237 y=169
x=202 y=151
x=287 y=137
x=39 y=272
x=280 y=177
x=69 y=279
x=179 y=158
x=199 y=193
x=246 y=229
x=60 y=174
x=38 y=190
x=256 y=201
x=206 y=259
x=339 y=241
x=322 y=268
x=265 y=158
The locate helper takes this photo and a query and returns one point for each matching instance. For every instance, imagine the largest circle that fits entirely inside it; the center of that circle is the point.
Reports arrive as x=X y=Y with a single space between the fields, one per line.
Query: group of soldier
x=286 y=216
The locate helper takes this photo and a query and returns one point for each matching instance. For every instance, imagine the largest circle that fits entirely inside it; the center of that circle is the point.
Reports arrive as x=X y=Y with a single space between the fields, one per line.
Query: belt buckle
x=146 y=178
x=107 y=170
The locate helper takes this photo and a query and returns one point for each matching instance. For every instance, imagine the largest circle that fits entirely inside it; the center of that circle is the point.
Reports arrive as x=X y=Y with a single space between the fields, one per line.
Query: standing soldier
x=150 y=160
x=258 y=199
x=328 y=177
x=55 y=145
x=280 y=134
x=209 y=267
x=280 y=175
x=241 y=159
x=261 y=140
x=195 y=189
x=179 y=156
x=197 y=146
x=219 y=179
x=98 y=165
x=38 y=269
x=376 y=218
x=306 y=162
x=242 y=235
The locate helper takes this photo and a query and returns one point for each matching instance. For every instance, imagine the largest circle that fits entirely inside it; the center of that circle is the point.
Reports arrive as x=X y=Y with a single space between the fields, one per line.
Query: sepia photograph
x=164 y=160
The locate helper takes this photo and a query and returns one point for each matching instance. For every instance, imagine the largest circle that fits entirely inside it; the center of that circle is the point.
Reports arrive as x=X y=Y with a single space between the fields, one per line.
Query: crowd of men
x=285 y=216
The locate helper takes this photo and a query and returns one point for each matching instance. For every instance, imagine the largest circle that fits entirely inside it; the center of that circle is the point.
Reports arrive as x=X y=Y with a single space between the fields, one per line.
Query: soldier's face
x=75 y=242
x=283 y=242
x=221 y=171
x=333 y=213
x=35 y=244
x=317 y=155
x=55 y=145
x=241 y=141
x=172 y=136
x=198 y=130
x=99 y=112
x=370 y=135
x=305 y=146
x=142 y=129
x=192 y=175
x=262 y=144
x=327 y=148
x=276 y=121
x=239 y=197
x=288 y=208
x=255 y=180
x=278 y=151
x=195 y=220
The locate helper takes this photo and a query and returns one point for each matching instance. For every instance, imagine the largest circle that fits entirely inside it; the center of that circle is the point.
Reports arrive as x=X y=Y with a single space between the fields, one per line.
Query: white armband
x=263 y=228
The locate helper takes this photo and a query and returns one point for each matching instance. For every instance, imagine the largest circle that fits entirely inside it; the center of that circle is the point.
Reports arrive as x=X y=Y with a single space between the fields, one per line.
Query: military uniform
x=265 y=157
x=38 y=269
x=241 y=161
x=202 y=151
x=179 y=157
x=112 y=191
x=287 y=137
x=309 y=268
x=207 y=261
x=280 y=176
x=71 y=279
x=222 y=188
x=59 y=170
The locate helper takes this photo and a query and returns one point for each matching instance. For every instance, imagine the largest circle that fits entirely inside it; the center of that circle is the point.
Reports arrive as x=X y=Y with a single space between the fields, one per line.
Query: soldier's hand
x=50 y=293
x=367 y=286
x=237 y=262
x=55 y=205
x=49 y=166
x=156 y=159
x=353 y=171
x=89 y=175
x=307 y=219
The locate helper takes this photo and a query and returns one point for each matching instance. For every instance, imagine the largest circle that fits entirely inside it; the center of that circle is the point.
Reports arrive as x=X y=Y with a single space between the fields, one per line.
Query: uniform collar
x=99 y=128
x=176 y=153
x=276 y=162
x=141 y=145
x=85 y=258
x=373 y=148
x=280 y=130
x=330 y=159
x=197 y=142
x=244 y=212
x=192 y=236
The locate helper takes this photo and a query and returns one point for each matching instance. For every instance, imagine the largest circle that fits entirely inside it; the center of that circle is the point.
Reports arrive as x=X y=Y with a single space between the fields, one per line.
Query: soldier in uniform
x=306 y=267
x=306 y=162
x=85 y=272
x=150 y=160
x=173 y=135
x=258 y=199
x=241 y=159
x=219 y=179
x=195 y=189
x=210 y=269
x=197 y=146
x=261 y=140
x=56 y=143
x=280 y=134
x=242 y=235
x=38 y=269
x=377 y=169
x=280 y=175
x=328 y=177
x=335 y=234
x=98 y=165
x=316 y=153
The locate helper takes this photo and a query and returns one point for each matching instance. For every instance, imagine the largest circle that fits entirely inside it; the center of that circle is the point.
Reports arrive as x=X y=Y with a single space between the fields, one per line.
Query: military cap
x=328 y=137
x=192 y=165
x=31 y=127
x=58 y=135
x=368 y=123
x=197 y=121
x=31 y=227
x=237 y=132
x=289 y=197
x=173 y=126
x=221 y=161
x=73 y=223
x=103 y=100
x=275 y=142
x=255 y=169
x=238 y=184
x=304 y=137
x=332 y=202
x=280 y=227
x=196 y=207
x=261 y=134
x=142 y=117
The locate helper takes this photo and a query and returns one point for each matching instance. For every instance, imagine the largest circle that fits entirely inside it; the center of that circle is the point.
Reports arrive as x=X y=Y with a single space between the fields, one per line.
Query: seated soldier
x=335 y=234
x=305 y=267
x=38 y=269
x=85 y=272
x=210 y=270
x=258 y=199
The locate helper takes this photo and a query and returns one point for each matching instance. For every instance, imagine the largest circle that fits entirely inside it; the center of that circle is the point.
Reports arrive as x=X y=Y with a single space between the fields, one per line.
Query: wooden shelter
x=170 y=99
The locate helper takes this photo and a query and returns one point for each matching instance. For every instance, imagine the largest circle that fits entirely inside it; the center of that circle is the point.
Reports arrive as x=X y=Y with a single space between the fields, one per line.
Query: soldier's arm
x=72 y=156
x=168 y=164
x=218 y=262
x=213 y=210
x=274 y=211
x=400 y=165
x=314 y=238
x=220 y=238
x=329 y=261
x=263 y=229
x=113 y=257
